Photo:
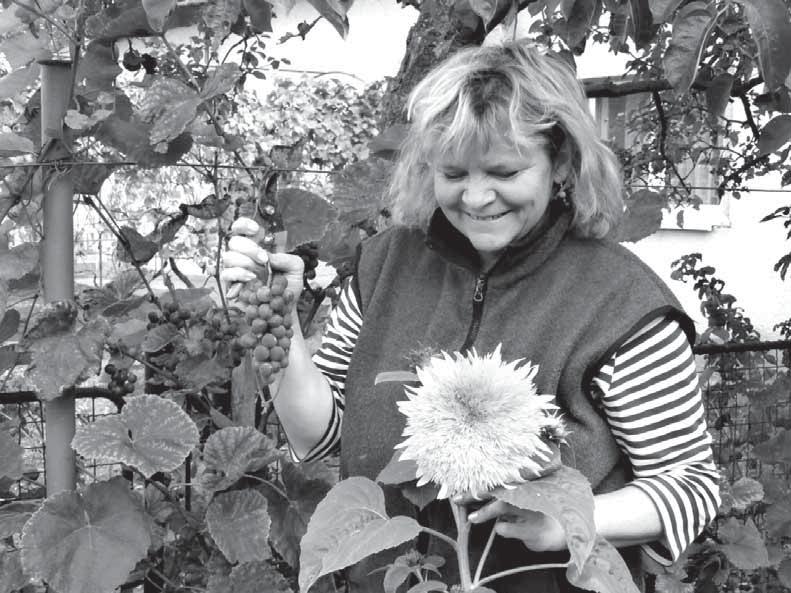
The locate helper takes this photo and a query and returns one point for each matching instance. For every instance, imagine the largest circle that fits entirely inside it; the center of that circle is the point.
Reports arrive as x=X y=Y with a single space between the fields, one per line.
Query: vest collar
x=517 y=260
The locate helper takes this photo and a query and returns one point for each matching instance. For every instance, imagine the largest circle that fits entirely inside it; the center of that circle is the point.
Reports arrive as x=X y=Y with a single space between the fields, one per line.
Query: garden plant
x=206 y=497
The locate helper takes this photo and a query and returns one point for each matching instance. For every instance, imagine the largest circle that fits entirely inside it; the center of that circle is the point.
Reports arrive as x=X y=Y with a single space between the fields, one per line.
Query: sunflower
x=475 y=421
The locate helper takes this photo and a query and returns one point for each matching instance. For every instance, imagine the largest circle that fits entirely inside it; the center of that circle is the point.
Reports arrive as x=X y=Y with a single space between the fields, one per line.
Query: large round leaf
x=86 y=542
x=743 y=544
x=232 y=452
x=250 y=577
x=566 y=496
x=239 y=524
x=350 y=524
x=151 y=434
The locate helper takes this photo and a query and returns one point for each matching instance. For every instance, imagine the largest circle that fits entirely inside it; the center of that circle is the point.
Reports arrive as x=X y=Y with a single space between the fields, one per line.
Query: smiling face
x=496 y=196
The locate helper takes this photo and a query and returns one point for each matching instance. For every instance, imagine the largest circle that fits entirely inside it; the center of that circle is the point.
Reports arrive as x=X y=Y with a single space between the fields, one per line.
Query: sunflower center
x=471 y=409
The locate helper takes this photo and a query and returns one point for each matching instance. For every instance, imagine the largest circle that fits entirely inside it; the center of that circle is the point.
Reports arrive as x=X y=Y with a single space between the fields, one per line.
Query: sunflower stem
x=518 y=569
x=482 y=561
x=462 y=545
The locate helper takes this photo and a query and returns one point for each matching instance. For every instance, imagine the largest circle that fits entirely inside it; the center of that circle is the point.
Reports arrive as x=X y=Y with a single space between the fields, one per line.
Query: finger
x=249 y=248
x=245 y=226
x=489 y=511
x=234 y=290
x=229 y=275
x=510 y=530
x=234 y=259
x=471 y=499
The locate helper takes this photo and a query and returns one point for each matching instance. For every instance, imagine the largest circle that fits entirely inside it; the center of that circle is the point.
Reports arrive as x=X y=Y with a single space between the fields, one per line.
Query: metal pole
x=57 y=266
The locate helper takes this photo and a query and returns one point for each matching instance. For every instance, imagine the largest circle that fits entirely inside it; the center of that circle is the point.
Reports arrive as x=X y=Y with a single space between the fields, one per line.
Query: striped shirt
x=650 y=396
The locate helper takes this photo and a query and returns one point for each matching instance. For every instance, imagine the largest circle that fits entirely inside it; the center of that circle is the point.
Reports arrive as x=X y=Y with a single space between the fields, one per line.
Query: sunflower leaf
x=604 y=571
x=566 y=496
x=350 y=524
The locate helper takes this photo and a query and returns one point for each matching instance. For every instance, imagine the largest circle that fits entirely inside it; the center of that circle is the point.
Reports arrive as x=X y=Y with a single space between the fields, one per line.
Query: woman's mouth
x=487 y=218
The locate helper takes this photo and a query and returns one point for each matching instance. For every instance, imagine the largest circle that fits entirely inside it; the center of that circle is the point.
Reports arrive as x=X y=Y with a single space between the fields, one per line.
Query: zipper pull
x=480 y=284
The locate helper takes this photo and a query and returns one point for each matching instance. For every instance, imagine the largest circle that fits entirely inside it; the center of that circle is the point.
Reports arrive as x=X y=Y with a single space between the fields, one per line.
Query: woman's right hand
x=245 y=260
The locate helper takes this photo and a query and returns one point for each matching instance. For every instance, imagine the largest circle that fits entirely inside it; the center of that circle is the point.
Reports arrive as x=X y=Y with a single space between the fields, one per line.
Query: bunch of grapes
x=268 y=334
x=171 y=313
x=309 y=252
x=122 y=382
x=224 y=330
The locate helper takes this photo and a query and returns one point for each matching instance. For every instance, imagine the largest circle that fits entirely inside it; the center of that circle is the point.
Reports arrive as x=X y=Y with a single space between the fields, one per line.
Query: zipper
x=478 y=296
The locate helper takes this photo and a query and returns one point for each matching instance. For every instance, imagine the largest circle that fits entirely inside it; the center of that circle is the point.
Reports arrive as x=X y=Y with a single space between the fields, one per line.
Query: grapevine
x=122 y=381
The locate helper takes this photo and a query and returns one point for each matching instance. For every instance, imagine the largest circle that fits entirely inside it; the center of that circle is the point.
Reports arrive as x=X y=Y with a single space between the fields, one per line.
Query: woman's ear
x=562 y=166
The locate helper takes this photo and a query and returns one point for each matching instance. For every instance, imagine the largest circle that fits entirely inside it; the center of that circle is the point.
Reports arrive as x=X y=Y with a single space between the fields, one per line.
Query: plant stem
x=462 y=545
x=268 y=483
x=449 y=540
x=482 y=561
x=517 y=570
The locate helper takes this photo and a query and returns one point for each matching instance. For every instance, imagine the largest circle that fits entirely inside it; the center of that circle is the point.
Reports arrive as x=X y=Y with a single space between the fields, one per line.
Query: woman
x=503 y=196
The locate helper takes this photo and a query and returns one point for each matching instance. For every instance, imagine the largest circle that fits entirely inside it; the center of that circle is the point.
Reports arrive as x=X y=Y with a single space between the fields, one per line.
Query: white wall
x=743 y=255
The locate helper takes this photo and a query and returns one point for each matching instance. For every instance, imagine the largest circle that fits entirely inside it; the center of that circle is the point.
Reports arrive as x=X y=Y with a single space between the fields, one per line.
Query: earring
x=560 y=194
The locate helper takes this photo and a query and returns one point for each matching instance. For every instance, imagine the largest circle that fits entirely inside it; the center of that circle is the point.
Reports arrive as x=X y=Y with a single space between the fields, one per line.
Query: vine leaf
x=19 y=261
x=13 y=517
x=305 y=484
x=12 y=577
x=578 y=22
x=201 y=370
x=13 y=145
x=305 y=215
x=10 y=457
x=239 y=524
x=150 y=433
x=250 y=577
x=770 y=26
x=86 y=542
x=140 y=249
x=219 y=16
x=350 y=524
x=662 y=10
x=745 y=491
x=65 y=360
x=9 y=324
x=130 y=333
x=128 y=18
x=157 y=11
x=159 y=337
x=358 y=192
x=784 y=572
x=11 y=85
x=778 y=518
x=643 y=216
x=566 y=496
x=220 y=81
x=428 y=586
x=232 y=452
x=170 y=106
x=604 y=571
x=691 y=29
x=260 y=12
x=335 y=12
x=775 y=134
x=775 y=450
x=743 y=544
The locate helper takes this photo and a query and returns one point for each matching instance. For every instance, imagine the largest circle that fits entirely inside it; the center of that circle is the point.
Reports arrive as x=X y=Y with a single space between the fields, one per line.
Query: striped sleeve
x=332 y=359
x=650 y=395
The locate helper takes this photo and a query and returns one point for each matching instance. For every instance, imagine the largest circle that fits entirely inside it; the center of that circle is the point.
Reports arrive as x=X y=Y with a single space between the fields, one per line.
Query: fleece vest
x=562 y=302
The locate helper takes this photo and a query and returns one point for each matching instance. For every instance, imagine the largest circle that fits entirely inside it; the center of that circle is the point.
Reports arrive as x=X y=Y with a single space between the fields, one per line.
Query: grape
x=121 y=382
x=267 y=333
x=309 y=252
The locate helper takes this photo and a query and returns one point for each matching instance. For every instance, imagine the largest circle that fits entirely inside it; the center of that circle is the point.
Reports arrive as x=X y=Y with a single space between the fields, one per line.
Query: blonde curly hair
x=479 y=91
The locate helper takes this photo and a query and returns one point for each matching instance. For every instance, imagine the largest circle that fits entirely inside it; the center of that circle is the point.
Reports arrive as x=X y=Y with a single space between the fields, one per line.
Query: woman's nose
x=477 y=195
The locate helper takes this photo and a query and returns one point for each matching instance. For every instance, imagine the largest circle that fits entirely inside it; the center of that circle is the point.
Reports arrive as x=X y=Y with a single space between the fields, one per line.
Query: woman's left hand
x=539 y=532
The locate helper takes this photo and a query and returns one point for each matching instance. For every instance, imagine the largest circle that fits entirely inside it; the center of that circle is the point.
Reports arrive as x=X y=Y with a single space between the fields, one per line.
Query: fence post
x=57 y=265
